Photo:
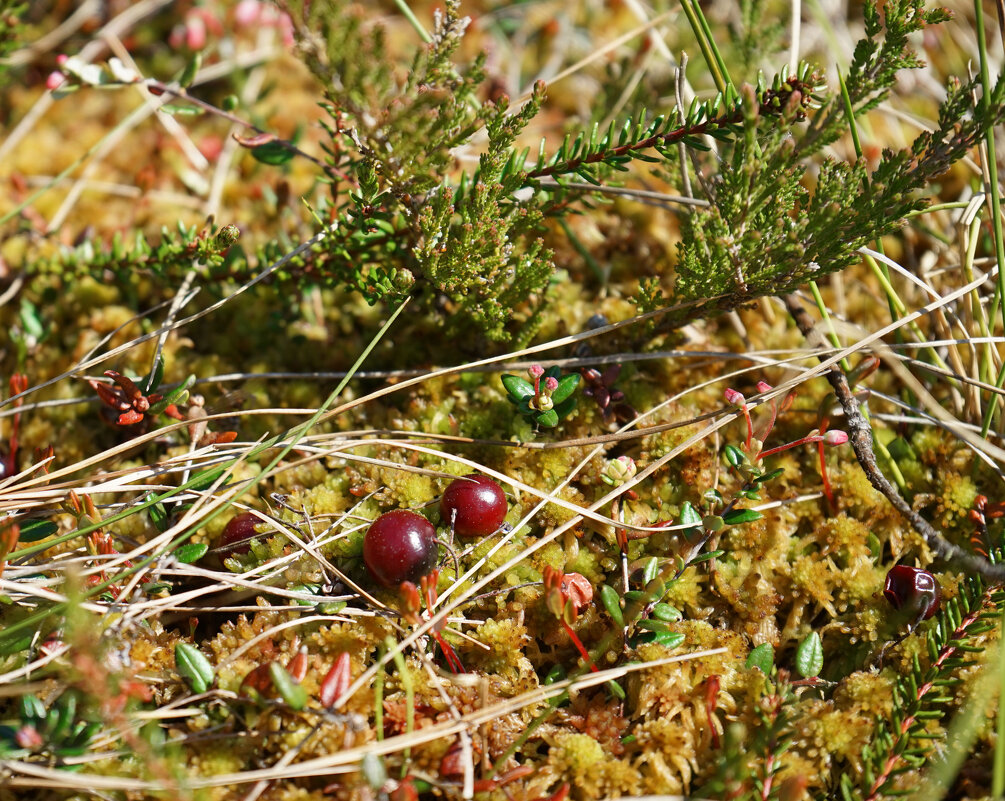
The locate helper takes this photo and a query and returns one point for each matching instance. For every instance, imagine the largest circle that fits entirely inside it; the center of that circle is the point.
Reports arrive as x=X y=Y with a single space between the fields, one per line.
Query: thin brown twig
x=860 y=436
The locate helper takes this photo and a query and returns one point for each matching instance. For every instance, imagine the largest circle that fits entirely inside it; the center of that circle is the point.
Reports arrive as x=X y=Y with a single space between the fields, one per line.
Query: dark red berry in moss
x=238 y=534
x=400 y=546
x=914 y=590
x=474 y=506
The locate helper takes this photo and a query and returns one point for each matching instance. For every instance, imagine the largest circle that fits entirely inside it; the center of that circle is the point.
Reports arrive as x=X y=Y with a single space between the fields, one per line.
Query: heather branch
x=770 y=102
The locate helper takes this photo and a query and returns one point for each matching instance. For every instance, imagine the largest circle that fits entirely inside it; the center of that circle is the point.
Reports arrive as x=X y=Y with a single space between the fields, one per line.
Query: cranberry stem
x=786 y=446
x=579 y=646
x=828 y=492
x=750 y=428
x=453 y=661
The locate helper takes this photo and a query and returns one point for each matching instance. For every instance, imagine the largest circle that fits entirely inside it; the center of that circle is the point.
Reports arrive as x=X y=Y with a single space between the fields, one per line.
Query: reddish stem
x=453 y=661
x=787 y=445
x=579 y=646
x=823 y=467
x=750 y=428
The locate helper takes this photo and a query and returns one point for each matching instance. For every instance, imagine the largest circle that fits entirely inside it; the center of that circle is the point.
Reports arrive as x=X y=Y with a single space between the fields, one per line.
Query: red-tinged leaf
x=172 y=411
x=559 y=795
x=405 y=791
x=258 y=682
x=410 y=601
x=453 y=762
x=8 y=541
x=129 y=418
x=212 y=438
x=44 y=455
x=520 y=772
x=256 y=140
x=132 y=391
x=108 y=396
x=297 y=666
x=337 y=681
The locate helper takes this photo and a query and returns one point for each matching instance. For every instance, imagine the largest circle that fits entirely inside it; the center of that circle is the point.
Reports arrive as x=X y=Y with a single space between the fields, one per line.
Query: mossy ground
x=803 y=567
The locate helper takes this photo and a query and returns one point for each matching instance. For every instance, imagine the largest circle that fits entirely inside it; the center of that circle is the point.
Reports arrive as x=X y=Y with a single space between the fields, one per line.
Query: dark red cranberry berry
x=914 y=590
x=475 y=506
x=400 y=546
x=238 y=534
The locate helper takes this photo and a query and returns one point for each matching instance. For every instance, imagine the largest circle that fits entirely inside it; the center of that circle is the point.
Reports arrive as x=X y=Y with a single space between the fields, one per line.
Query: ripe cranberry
x=474 y=506
x=400 y=546
x=238 y=534
x=914 y=590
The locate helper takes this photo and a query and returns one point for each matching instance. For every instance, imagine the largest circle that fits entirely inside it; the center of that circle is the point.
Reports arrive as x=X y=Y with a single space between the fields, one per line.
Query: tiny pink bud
x=195 y=32
x=54 y=80
x=247 y=12
x=734 y=398
x=535 y=370
x=62 y=58
x=835 y=437
x=763 y=386
x=286 y=30
x=28 y=737
x=551 y=383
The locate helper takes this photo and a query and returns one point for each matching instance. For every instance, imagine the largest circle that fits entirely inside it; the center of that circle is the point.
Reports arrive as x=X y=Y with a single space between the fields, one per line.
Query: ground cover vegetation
x=531 y=400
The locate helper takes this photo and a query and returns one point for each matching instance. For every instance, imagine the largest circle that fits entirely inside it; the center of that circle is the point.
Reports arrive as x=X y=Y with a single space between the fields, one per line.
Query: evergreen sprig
x=766 y=233
x=750 y=760
x=885 y=51
x=903 y=743
x=721 y=118
x=177 y=252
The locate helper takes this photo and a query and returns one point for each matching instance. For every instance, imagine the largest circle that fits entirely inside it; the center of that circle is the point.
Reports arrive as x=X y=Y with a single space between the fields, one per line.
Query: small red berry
x=400 y=546
x=914 y=590
x=474 y=506
x=237 y=534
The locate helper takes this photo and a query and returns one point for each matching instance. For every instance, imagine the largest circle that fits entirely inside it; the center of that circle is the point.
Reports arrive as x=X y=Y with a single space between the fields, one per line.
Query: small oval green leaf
x=649 y=570
x=669 y=639
x=518 y=388
x=274 y=153
x=689 y=515
x=566 y=386
x=191 y=552
x=670 y=614
x=762 y=657
x=734 y=456
x=33 y=530
x=810 y=656
x=548 y=419
x=193 y=667
x=736 y=516
x=612 y=603
x=289 y=690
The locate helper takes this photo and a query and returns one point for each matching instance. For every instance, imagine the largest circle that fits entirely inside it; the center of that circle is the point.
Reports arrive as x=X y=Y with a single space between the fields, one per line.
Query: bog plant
x=652 y=582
